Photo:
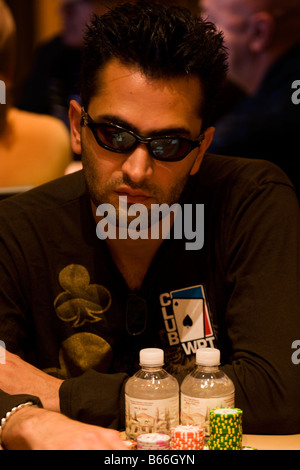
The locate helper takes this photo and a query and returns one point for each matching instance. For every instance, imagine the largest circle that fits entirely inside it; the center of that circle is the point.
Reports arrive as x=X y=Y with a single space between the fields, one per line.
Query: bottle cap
x=208 y=357
x=151 y=357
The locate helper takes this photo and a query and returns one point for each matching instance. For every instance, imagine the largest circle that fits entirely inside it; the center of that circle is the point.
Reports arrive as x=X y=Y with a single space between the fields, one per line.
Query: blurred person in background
x=34 y=149
x=54 y=79
x=263 y=41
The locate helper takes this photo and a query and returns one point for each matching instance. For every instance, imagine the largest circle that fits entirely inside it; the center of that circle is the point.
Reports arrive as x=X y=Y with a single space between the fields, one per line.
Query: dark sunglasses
x=115 y=138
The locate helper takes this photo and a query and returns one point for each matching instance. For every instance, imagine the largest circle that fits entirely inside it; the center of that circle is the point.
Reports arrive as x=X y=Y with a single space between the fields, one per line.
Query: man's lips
x=132 y=194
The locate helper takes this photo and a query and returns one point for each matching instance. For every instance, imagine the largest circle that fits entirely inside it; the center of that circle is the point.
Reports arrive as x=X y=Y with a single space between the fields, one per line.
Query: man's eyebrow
x=110 y=118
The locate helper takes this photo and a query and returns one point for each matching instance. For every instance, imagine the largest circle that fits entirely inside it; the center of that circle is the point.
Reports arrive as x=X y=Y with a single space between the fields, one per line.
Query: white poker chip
x=153 y=441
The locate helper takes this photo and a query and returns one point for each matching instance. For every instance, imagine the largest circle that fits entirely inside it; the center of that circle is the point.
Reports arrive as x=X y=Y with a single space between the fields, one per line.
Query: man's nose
x=139 y=164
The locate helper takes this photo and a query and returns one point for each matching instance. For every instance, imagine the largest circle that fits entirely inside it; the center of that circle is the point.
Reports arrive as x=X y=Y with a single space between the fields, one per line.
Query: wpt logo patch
x=187 y=319
x=2 y=92
x=2 y=352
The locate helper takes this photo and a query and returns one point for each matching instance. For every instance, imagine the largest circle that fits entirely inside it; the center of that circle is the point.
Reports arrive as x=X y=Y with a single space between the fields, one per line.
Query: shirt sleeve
x=8 y=402
x=262 y=319
x=95 y=398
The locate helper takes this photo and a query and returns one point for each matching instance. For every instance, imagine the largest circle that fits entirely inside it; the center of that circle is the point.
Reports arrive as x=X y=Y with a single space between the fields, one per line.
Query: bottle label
x=150 y=416
x=195 y=411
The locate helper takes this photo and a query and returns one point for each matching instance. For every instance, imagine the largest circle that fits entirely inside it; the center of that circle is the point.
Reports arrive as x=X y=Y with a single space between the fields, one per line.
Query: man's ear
x=75 y=126
x=261 y=30
x=208 y=137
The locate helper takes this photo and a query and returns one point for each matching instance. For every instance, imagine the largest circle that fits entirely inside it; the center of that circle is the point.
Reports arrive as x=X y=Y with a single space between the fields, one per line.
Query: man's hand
x=33 y=428
x=19 y=377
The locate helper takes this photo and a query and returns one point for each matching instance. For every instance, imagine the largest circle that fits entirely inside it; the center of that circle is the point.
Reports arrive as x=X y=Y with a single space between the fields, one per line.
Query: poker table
x=268 y=442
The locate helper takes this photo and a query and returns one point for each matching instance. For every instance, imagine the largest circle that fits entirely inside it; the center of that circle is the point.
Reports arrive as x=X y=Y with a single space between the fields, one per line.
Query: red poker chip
x=185 y=437
x=186 y=432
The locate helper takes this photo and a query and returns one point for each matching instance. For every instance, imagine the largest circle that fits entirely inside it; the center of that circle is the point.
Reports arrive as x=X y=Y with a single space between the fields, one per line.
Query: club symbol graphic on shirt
x=80 y=352
x=81 y=301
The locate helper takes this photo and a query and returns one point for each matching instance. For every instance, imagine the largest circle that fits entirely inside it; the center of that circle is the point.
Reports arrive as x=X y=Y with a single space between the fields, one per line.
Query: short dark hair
x=163 y=42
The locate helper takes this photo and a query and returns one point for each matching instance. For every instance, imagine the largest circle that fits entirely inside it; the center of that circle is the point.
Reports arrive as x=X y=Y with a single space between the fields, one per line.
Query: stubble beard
x=104 y=192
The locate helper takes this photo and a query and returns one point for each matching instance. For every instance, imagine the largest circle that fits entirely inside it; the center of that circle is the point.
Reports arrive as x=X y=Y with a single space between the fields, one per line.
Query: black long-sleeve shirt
x=63 y=302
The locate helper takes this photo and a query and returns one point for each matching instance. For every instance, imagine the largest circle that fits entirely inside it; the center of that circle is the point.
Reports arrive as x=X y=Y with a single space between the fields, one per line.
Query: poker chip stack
x=153 y=441
x=225 y=429
x=184 y=437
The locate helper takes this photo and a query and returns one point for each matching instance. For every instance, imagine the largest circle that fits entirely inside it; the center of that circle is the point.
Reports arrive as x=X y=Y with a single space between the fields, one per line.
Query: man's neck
x=133 y=257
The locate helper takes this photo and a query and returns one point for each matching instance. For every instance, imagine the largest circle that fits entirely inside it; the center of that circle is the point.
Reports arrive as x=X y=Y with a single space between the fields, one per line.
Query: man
x=263 y=41
x=85 y=283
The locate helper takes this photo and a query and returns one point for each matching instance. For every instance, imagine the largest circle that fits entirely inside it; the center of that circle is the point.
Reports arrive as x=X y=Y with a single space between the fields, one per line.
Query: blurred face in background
x=233 y=18
x=75 y=15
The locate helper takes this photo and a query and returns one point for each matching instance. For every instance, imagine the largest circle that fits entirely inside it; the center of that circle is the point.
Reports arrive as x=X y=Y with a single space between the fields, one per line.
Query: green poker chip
x=225 y=414
x=216 y=447
x=225 y=426
x=232 y=430
x=226 y=439
x=213 y=446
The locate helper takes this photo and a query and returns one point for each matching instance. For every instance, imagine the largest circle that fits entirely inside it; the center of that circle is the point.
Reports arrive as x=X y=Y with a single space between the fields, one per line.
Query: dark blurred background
x=38 y=21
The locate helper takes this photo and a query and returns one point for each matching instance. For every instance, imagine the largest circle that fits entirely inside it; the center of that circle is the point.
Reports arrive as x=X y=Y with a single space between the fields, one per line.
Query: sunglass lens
x=172 y=148
x=115 y=139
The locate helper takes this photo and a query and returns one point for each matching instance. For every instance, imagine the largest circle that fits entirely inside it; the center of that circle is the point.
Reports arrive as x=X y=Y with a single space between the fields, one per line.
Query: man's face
x=149 y=107
x=232 y=17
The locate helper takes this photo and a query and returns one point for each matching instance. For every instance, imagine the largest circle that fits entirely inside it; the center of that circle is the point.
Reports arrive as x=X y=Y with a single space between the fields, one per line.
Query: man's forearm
x=33 y=428
x=16 y=432
x=30 y=380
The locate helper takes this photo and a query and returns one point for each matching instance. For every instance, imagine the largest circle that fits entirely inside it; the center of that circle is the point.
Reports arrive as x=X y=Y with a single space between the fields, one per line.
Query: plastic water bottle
x=204 y=388
x=151 y=397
